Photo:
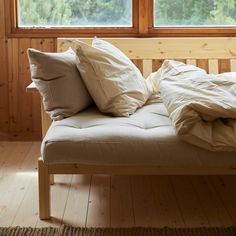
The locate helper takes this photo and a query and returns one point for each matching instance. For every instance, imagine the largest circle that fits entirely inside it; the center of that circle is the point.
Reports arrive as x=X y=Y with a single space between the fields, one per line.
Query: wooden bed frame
x=215 y=55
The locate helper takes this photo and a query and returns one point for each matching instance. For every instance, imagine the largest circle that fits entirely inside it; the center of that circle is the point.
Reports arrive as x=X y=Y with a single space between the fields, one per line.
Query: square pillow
x=58 y=80
x=114 y=82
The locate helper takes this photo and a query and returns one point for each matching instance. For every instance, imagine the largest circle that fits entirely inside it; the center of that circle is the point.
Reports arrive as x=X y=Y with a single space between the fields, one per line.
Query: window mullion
x=144 y=12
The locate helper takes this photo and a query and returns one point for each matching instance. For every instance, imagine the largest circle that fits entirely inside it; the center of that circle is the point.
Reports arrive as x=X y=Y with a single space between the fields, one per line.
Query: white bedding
x=202 y=106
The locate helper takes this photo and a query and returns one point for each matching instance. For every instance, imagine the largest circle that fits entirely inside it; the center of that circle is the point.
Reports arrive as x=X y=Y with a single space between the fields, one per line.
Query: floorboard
x=111 y=201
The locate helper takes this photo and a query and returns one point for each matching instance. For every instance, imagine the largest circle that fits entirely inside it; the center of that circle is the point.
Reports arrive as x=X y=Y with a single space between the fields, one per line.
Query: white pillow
x=114 y=82
x=56 y=77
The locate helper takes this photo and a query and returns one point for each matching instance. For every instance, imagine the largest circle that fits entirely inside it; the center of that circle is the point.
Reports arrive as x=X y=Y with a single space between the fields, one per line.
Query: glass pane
x=194 y=13
x=71 y=13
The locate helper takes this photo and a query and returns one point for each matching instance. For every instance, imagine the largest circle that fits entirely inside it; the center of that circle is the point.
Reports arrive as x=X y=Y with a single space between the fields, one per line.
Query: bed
x=93 y=143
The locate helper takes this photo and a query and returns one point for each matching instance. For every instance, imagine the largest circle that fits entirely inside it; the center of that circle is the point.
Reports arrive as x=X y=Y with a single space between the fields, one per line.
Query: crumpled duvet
x=202 y=106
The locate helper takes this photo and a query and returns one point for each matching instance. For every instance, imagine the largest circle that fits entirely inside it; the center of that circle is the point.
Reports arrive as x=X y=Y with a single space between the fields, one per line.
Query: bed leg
x=44 y=191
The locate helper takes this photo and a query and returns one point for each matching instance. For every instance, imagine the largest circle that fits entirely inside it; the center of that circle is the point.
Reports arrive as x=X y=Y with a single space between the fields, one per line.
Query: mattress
x=145 y=138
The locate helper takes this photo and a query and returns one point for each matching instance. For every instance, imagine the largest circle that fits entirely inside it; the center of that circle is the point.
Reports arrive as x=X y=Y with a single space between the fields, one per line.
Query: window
x=75 y=13
x=194 y=13
x=130 y=18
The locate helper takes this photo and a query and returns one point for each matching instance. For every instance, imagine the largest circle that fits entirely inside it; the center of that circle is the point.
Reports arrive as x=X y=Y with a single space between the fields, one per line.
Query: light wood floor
x=111 y=201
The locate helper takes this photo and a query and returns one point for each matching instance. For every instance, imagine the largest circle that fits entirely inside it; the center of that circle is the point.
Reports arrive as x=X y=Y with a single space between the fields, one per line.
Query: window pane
x=71 y=13
x=194 y=12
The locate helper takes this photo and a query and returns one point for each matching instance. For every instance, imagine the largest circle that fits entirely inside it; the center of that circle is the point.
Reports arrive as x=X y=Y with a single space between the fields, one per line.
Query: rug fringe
x=66 y=230
x=73 y=231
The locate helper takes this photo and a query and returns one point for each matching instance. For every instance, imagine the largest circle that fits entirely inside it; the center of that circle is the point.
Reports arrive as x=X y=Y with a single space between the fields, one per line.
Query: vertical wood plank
x=147 y=68
x=143 y=16
x=146 y=211
x=190 y=208
x=213 y=66
x=203 y=64
x=170 y=215
x=99 y=202
x=214 y=210
x=14 y=100
x=233 y=65
x=27 y=213
x=77 y=204
x=48 y=45
x=122 y=214
x=4 y=103
x=25 y=99
x=156 y=64
x=225 y=189
x=224 y=65
x=12 y=185
x=139 y=64
x=192 y=62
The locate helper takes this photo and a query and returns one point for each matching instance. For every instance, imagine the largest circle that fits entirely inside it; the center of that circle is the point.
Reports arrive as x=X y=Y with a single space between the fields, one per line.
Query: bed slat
x=139 y=64
x=213 y=66
x=192 y=62
x=156 y=64
x=233 y=65
x=204 y=64
x=224 y=65
x=147 y=68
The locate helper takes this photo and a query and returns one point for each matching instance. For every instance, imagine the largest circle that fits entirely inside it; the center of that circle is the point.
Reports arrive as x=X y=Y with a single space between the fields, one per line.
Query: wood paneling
x=19 y=111
x=4 y=123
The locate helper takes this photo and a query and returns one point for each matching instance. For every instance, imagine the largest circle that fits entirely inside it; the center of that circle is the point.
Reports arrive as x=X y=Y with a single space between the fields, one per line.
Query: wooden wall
x=19 y=111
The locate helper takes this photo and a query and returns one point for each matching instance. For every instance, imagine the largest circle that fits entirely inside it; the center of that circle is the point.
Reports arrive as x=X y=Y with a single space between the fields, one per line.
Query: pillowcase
x=58 y=80
x=114 y=82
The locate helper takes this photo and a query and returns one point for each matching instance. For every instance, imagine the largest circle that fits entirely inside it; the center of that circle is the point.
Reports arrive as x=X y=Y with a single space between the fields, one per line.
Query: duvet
x=202 y=106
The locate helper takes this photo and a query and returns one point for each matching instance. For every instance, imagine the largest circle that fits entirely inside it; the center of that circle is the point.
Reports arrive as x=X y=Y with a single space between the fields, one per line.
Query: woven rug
x=71 y=231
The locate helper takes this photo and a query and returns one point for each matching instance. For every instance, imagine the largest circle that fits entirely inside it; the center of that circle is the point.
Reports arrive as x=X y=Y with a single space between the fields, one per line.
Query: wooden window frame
x=186 y=31
x=12 y=29
x=143 y=26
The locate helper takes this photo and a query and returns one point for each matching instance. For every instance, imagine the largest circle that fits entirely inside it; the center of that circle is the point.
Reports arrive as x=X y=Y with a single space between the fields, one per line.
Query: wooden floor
x=111 y=201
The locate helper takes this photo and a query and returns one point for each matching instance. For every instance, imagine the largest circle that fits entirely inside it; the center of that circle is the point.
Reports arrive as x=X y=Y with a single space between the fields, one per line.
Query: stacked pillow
x=56 y=77
x=113 y=81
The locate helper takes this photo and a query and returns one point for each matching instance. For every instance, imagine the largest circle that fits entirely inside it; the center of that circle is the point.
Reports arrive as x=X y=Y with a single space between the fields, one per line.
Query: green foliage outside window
x=195 y=12
x=75 y=12
x=36 y=13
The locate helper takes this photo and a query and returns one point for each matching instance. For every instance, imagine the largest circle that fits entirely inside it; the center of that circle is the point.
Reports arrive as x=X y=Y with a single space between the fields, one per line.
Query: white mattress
x=145 y=138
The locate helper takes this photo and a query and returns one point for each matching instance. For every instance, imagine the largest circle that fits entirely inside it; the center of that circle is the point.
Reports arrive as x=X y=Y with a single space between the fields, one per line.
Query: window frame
x=13 y=30
x=143 y=26
x=187 y=31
